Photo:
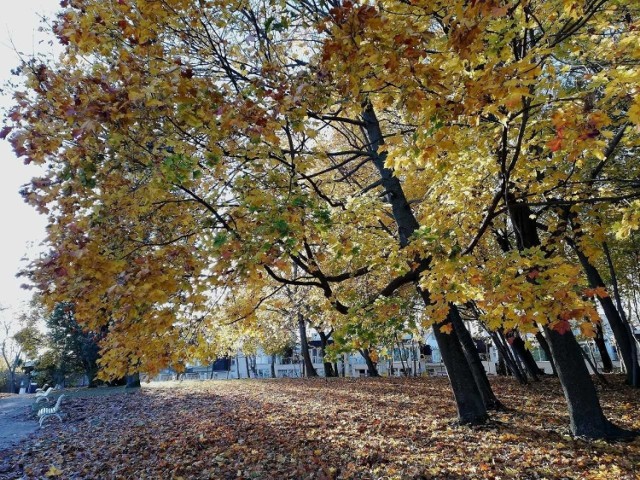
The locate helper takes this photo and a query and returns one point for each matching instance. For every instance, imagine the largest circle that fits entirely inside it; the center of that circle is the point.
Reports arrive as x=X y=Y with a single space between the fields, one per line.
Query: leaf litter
x=386 y=429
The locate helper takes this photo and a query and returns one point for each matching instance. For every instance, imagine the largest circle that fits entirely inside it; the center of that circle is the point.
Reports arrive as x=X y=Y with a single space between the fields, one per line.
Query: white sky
x=22 y=228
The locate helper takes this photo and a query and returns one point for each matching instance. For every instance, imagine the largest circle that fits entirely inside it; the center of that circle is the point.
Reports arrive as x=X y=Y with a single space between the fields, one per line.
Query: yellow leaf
x=53 y=472
x=634 y=111
x=587 y=330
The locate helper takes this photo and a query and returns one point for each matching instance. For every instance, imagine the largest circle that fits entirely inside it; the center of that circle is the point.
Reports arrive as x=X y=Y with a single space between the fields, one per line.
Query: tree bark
x=310 y=371
x=471 y=408
x=592 y=363
x=246 y=364
x=510 y=361
x=616 y=322
x=324 y=342
x=634 y=378
x=273 y=366
x=405 y=373
x=91 y=371
x=544 y=345
x=473 y=357
x=501 y=367
x=530 y=365
x=585 y=413
x=371 y=367
x=133 y=381
x=607 y=364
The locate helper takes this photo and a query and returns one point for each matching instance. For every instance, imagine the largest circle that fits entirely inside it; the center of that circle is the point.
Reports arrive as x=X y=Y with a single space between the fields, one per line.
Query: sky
x=22 y=228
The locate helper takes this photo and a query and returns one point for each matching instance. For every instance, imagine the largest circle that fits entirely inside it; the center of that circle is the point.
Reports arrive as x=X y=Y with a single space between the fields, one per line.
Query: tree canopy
x=203 y=156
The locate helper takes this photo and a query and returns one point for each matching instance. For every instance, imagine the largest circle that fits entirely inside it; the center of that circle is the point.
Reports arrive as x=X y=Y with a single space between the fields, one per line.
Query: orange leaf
x=447 y=328
x=555 y=144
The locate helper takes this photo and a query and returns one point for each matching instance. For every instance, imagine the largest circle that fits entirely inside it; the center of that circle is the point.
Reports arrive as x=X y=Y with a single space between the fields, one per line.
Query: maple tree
x=203 y=156
x=505 y=118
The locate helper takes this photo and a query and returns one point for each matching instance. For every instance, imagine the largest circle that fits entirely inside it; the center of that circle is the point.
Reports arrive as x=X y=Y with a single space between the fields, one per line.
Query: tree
x=11 y=355
x=18 y=346
x=200 y=151
x=76 y=348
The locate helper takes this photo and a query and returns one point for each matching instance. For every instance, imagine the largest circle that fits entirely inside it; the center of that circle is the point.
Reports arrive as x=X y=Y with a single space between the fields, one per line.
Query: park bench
x=47 y=412
x=42 y=390
x=44 y=396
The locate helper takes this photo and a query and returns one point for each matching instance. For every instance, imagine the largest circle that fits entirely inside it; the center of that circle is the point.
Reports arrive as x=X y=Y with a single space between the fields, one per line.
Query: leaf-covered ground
x=319 y=429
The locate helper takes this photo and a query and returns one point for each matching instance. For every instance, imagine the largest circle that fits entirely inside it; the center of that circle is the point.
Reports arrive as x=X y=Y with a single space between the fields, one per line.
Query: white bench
x=47 y=412
x=44 y=396
x=42 y=390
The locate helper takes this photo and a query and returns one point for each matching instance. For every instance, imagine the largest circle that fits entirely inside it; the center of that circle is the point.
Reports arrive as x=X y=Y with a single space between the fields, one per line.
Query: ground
x=322 y=429
x=15 y=423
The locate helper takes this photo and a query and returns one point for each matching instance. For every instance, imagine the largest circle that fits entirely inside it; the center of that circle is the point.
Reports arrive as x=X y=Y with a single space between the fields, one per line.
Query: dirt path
x=16 y=422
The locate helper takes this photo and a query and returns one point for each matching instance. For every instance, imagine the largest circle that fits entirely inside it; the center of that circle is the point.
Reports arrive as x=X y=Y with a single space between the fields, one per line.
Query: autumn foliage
x=211 y=163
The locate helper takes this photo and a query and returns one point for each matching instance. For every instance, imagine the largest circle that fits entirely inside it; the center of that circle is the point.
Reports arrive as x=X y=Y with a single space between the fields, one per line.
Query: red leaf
x=561 y=326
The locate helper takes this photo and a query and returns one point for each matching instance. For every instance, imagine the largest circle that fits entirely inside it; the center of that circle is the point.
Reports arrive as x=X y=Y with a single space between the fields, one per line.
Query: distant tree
x=17 y=347
x=77 y=349
x=11 y=355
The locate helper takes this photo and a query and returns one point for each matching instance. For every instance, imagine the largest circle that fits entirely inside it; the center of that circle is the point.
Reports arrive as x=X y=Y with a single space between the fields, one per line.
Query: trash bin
x=32 y=387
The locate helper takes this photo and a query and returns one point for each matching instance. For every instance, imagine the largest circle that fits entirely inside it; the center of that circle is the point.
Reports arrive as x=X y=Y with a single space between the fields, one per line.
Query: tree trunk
x=371 y=367
x=591 y=361
x=501 y=367
x=246 y=364
x=633 y=379
x=253 y=366
x=91 y=371
x=273 y=366
x=400 y=352
x=12 y=381
x=469 y=402
x=133 y=381
x=471 y=407
x=544 y=345
x=530 y=365
x=585 y=412
x=507 y=357
x=473 y=357
x=607 y=364
x=328 y=367
x=309 y=369
x=617 y=324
